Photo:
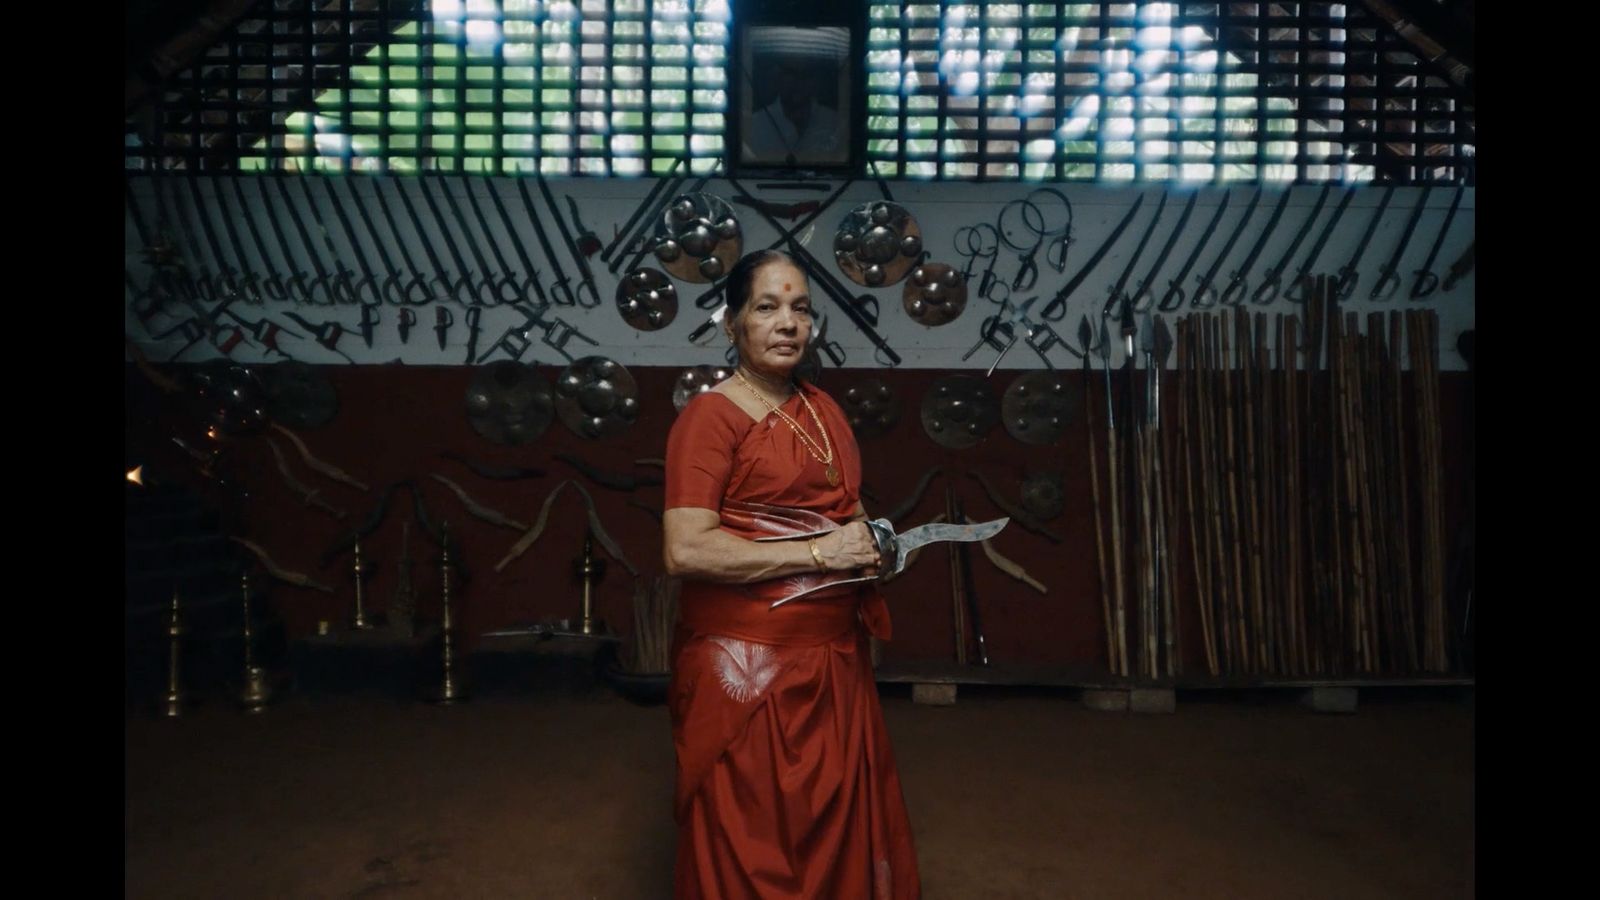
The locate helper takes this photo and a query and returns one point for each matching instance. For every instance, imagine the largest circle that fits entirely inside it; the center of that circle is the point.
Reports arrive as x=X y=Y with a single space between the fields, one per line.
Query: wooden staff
x=1199 y=538
x=1292 y=519
x=1353 y=487
x=1386 y=520
x=1143 y=564
x=1114 y=490
x=1165 y=473
x=1397 y=451
x=1312 y=557
x=1230 y=498
x=1446 y=631
x=1094 y=491
x=1418 y=378
x=957 y=605
x=1433 y=556
x=1221 y=525
x=1268 y=532
x=1371 y=586
x=1279 y=466
x=1339 y=661
x=1425 y=467
x=1250 y=524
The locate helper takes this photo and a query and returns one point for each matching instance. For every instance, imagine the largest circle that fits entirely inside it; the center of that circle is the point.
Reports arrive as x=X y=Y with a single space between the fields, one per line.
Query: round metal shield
x=871 y=407
x=298 y=395
x=693 y=382
x=508 y=403
x=877 y=243
x=958 y=411
x=232 y=397
x=1042 y=495
x=647 y=299
x=1038 y=406
x=596 y=397
x=698 y=238
x=934 y=294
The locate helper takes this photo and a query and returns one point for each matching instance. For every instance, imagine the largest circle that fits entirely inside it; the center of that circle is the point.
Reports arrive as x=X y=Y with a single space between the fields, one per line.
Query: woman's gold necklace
x=823 y=454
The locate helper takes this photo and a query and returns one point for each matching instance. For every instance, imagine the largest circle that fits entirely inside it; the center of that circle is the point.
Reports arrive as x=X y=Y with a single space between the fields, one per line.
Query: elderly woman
x=786 y=783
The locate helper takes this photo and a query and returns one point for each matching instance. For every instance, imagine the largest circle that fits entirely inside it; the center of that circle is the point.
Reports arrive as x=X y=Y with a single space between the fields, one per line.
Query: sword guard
x=891 y=560
x=1268 y=291
x=1426 y=284
x=1390 y=279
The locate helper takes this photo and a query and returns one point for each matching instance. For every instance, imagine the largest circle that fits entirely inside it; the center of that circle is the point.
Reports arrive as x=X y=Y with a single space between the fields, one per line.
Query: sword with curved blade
x=783 y=524
x=894 y=548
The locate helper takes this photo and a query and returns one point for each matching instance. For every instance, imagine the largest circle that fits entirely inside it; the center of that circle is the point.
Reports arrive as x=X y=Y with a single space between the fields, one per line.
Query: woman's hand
x=848 y=548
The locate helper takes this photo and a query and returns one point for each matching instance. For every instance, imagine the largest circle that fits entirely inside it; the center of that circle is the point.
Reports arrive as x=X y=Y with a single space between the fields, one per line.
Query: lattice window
x=1272 y=92
x=593 y=87
x=1221 y=92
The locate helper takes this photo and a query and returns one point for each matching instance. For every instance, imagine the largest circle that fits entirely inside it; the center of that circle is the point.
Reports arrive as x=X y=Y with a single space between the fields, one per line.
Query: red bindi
x=786 y=285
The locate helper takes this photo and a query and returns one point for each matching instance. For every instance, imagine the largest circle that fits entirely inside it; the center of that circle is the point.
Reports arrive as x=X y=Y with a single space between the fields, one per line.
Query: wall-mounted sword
x=296 y=285
x=228 y=274
x=1116 y=296
x=1348 y=273
x=489 y=283
x=1234 y=292
x=1056 y=309
x=473 y=298
x=395 y=289
x=419 y=282
x=1144 y=291
x=1174 y=297
x=507 y=272
x=532 y=271
x=368 y=276
x=1427 y=282
x=441 y=275
x=331 y=287
x=1389 y=273
x=1205 y=294
x=1300 y=285
x=1271 y=281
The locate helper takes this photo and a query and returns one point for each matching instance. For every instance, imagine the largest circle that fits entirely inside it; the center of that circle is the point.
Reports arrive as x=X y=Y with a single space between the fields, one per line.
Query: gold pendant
x=833 y=475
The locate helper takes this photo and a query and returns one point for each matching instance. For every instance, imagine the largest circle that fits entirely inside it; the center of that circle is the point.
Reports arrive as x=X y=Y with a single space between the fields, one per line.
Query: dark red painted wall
x=394 y=421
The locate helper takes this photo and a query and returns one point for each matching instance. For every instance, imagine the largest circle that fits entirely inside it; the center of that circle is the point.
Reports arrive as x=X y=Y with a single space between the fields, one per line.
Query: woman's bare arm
x=693 y=546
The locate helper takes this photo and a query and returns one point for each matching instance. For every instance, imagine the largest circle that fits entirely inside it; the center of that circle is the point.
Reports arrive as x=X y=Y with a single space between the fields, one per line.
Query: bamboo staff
x=1436 y=438
x=1291 y=494
x=1397 y=445
x=1355 y=521
x=1360 y=350
x=1307 y=421
x=1419 y=380
x=957 y=604
x=1094 y=490
x=1267 y=497
x=1283 y=467
x=1216 y=498
x=1114 y=492
x=1230 y=470
x=1424 y=364
x=1250 y=524
x=1385 y=521
x=1143 y=564
x=1165 y=473
x=1334 y=575
x=1199 y=538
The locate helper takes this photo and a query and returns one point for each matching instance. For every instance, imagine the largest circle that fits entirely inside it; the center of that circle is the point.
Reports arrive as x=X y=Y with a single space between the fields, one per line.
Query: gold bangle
x=816 y=555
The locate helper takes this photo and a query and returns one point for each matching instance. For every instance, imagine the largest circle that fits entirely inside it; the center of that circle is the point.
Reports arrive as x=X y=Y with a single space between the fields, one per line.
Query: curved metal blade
x=943 y=531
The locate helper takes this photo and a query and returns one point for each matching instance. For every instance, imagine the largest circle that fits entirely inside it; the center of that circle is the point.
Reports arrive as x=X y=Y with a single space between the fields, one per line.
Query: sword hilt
x=891 y=559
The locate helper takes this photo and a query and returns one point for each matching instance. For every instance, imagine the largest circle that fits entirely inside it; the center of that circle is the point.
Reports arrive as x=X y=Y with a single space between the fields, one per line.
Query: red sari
x=786 y=784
